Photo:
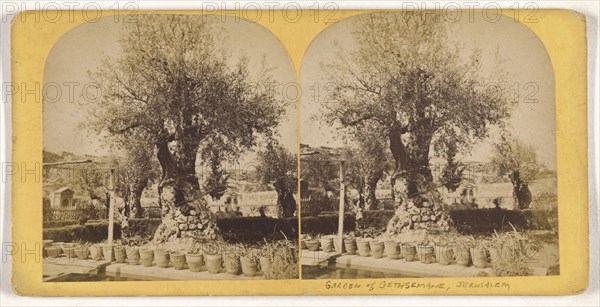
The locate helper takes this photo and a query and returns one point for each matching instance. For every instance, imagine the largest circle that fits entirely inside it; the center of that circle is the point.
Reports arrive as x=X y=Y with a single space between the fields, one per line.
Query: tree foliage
x=172 y=85
x=217 y=181
x=279 y=167
x=406 y=77
x=367 y=164
x=319 y=171
x=136 y=171
x=519 y=162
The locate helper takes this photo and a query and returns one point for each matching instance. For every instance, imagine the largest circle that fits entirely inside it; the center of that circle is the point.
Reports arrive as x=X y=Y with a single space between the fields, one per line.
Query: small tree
x=92 y=179
x=319 y=171
x=136 y=171
x=279 y=167
x=217 y=182
x=518 y=161
x=367 y=165
x=452 y=174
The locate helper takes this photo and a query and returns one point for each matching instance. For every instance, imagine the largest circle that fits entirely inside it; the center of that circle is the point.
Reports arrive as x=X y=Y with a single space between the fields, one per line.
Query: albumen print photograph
x=175 y=155
x=428 y=149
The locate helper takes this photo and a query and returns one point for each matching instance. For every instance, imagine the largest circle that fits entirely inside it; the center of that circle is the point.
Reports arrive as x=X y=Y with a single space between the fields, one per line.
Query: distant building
x=247 y=203
x=62 y=199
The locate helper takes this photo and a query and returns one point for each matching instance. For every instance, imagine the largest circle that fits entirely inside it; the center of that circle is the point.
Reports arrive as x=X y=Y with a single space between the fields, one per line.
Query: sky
x=81 y=50
x=525 y=59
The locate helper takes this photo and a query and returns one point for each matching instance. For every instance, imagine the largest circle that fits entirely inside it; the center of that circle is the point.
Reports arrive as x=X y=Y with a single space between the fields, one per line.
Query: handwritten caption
x=410 y=285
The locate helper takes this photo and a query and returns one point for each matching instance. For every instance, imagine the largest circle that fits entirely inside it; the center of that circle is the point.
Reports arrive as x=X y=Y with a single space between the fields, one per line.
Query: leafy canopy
x=404 y=74
x=172 y=84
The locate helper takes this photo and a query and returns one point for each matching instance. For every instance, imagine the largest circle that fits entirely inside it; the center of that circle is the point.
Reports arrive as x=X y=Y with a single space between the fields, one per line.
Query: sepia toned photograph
x=169 y=152
x=428 y=149
x=298 y=152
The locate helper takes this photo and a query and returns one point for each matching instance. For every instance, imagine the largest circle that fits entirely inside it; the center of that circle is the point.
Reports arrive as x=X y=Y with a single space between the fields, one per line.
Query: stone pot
x=59 y=245
x=162 y=258
x=350 y=246
x=232 y=264
x=147 y=257
x=178 y=260
x=120 y=254
x=327 y=244
x=68 y=249
x=410 y=252
x=392 y=250
x=45 y=243
x=494 y=254
x=312 y=245
x=107 y=251
x=444 y=254
x=52 y=251
x=265 y=264
x=133 y=255
x=96 y=252
x=82 y=252
x=479 y=257
x=68 y=245
x=214 y=263
x=69 y=252
x=249 y=266
x=364 y=249
x=377 y=248
x=194 y=262
x=425 y=253
x=462 y=255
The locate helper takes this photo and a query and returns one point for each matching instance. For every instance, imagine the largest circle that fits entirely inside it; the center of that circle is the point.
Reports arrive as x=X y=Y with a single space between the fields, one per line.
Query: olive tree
x=422 y=90
x=173 y=85
x=137 y=170
x=278 y=167
x=519 y=162
x=367 y=165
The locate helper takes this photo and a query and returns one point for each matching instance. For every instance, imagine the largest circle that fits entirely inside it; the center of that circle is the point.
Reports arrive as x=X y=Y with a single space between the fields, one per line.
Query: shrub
x=47 y=212
x=482 y=221
x=256 y=229
x=87 y=211
x=283 y=257
x=55 y=224
x=90 y=232
x=516 y=250
x=318 y=203
x=546 y=200
x=144 y=228
x=377 y=219
x=326 y=224
x=474 y=221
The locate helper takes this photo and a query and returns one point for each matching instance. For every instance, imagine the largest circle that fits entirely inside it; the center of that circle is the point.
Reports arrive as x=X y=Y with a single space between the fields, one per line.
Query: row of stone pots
x=133 y=255
x=460 y=254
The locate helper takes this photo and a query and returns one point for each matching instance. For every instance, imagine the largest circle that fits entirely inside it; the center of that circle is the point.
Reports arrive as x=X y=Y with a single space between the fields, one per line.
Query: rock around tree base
x=178 y=225
x=430 y=218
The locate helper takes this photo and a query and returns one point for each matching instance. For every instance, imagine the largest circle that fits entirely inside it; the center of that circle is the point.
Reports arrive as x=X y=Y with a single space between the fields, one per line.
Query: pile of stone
x=196 y=223
x=420 y=213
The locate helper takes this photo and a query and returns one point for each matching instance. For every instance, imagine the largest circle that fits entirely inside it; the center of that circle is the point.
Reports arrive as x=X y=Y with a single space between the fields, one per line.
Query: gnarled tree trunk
x=133 y=203
x=417 y=202
x=521 y=190
x=185 y=212
x=370 y=198
x=285 y=198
